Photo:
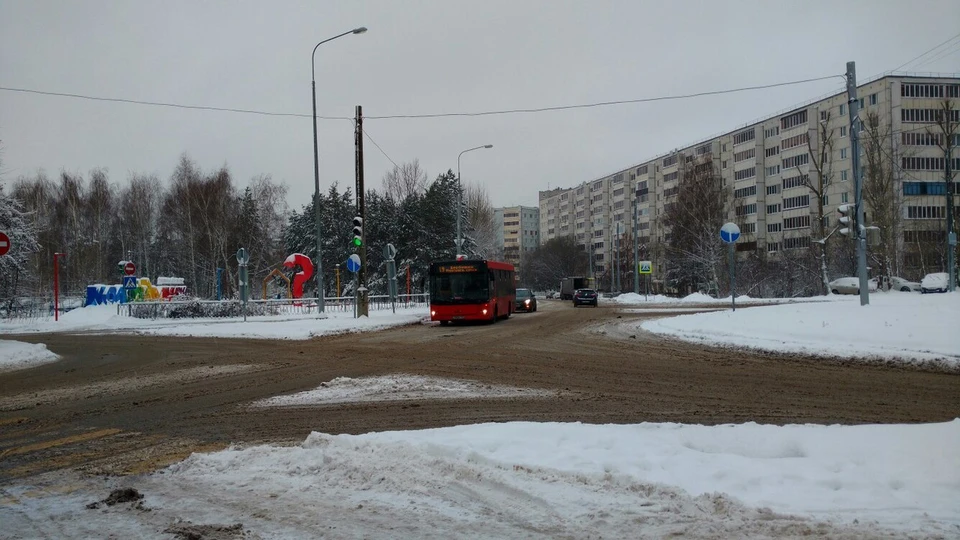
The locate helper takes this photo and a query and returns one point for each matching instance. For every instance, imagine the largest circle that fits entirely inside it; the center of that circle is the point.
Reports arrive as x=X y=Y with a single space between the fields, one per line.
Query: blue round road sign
x=729 y=233
x=353 y=263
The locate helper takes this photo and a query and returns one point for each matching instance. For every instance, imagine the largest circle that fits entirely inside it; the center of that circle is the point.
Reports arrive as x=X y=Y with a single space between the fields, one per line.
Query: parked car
x=851 y=285
x=936 y=282
x=585 y=297
x=525 y=301
x=902 y=285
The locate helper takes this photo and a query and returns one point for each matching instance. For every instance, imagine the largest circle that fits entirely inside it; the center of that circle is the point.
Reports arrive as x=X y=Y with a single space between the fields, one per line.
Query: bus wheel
x=495 y=316
x=444 y=323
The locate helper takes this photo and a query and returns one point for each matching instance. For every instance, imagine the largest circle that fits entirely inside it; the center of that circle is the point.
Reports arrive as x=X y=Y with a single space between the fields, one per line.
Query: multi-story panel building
x=771 y=170
x=518 y=231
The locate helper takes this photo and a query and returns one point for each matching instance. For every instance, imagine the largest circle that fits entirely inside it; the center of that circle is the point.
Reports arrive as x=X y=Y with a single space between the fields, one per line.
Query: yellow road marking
x=82 y=437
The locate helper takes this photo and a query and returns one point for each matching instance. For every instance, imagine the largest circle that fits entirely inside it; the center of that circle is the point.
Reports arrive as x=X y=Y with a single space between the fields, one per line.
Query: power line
x=924 y=53
x=427 y=115
x=380 y=149
x=949 y=51
x=602 y=103
x=172 y=105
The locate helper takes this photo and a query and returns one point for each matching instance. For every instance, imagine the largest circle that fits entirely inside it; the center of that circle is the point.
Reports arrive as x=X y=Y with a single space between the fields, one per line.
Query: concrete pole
x=860 y=231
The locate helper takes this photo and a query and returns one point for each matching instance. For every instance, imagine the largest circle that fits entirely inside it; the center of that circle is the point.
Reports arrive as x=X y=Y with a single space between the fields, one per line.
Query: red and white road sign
x=4 y=243
x=129 y=269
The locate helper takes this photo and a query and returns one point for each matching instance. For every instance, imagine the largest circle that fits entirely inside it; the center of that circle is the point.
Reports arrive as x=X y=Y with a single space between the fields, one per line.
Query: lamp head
x=360 y=30
x=488 y=146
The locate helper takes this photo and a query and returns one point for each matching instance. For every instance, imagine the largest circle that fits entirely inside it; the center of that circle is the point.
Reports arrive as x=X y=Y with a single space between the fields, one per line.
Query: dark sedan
x=526 y=301
x=585 y=297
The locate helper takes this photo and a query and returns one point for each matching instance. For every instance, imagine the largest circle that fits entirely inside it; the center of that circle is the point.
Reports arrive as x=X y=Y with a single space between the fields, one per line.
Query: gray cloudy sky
x=428 y=56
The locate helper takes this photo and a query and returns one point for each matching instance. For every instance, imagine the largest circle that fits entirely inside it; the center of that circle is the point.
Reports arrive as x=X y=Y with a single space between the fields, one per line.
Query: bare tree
x=481 y=229
x=693 y=252
x=405 y=181
x=880 y=192
x=946 y=132
x=821 y=157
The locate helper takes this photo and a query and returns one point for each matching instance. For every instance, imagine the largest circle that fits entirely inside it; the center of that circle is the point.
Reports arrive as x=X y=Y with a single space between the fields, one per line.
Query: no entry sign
x=129 y=269
x=4 y=243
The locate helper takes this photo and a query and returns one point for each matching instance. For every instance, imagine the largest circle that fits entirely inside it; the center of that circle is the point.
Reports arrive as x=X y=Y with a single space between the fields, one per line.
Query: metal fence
x=35 y=308
x=175 y=309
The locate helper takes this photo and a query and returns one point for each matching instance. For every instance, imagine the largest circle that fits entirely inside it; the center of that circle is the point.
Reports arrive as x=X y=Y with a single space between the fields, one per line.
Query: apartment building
x=518 y=231
x=768 y=166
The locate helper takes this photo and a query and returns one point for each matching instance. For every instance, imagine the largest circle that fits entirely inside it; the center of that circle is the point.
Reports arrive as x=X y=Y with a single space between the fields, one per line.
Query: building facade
x=518 y=231
x=778 y=172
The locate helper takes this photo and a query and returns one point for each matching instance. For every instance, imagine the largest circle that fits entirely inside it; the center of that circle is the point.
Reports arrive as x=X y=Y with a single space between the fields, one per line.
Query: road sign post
x=242 y=259
x=730 y=233
x=389 y=252
x=645 y=268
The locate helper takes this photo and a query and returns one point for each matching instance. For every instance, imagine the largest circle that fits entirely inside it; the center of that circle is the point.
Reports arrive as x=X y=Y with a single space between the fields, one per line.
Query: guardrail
x=174 y=309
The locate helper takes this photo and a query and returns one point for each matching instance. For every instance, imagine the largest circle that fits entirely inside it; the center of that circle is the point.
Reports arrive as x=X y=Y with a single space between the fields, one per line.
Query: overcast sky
x=421 y=57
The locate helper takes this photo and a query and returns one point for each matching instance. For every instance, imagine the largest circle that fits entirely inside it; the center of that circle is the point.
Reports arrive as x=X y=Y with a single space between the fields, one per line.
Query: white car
x=902 y=285
x=850 y=285
x=936 y=282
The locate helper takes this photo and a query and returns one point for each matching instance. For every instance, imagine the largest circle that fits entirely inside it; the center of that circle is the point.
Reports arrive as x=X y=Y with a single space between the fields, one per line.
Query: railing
x=270 y=307
x=39 y=308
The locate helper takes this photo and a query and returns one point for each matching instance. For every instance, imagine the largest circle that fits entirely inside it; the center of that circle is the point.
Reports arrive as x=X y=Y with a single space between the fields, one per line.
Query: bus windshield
x=460 y=288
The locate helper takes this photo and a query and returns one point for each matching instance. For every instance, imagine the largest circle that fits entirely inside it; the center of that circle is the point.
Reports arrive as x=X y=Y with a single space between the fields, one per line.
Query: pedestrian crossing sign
x=646 y=267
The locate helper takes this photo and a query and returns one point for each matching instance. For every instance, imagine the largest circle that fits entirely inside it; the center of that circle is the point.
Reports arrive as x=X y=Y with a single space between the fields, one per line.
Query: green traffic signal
x=357 y=241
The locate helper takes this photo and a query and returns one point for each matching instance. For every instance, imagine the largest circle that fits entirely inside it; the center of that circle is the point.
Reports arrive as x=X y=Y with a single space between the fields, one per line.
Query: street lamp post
x=316 y=165
x=460 y=194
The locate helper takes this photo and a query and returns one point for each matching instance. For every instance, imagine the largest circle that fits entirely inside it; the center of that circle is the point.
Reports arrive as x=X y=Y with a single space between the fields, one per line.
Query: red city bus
x=471 y=291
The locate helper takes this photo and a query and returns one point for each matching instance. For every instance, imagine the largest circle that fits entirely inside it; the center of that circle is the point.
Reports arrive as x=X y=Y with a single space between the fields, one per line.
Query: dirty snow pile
x=20 y=355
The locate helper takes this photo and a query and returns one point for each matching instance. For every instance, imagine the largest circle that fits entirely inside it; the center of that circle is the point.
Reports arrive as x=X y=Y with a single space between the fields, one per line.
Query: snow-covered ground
x=908 y=327
x=548 y=479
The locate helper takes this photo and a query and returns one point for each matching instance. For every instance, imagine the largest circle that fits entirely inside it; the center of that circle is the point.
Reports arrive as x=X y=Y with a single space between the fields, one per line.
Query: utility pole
x=636 y=247
x=950 y=187
x=859 y=232
x=363 y=305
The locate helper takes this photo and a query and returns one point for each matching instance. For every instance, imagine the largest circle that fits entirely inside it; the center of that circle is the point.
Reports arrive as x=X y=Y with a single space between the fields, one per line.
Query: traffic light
x=357 y=231
x=847 y=219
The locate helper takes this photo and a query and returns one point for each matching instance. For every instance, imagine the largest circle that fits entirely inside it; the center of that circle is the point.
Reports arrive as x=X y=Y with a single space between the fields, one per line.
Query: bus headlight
x=527 y=301
x=484 y=311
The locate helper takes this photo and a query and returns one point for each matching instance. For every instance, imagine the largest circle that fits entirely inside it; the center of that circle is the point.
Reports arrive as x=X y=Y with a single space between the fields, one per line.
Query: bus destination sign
x=458 y=268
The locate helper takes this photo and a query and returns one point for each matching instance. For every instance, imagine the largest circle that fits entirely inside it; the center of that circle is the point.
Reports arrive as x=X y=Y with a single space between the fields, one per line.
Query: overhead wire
x=924 y=53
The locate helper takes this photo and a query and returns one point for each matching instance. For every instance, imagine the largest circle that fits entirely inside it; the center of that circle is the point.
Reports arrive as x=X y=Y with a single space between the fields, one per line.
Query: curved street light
x=459 y=241
x=316 y=165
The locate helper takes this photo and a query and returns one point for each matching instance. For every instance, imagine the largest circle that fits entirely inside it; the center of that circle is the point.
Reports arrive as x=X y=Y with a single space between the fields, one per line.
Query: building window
x=773 y=247
x=749 y=228
x=642 y=170
x=744 y=136
x=843 y=175
x=744 y=174
x=843 y=153
x=795 y=119
x=873 y=99
x=795 y=141
x=724 y=164
x=745 y=192
x=843 y=109
x=749 y=153
x=670 y=177
x=927 y=163
x=798 y=222
x=670 y=160
x=773 y=190
x=772 y=132
x=771 y=151
x=773 y=227
x=747 y=209
x=921 y=90
x=795 y=161
x=796 y=181
x=773 y=171
x=927 y=115
x=800 y=201
x=926 y=212
x=796 y=243
x=843 y=131
x=773 y=208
